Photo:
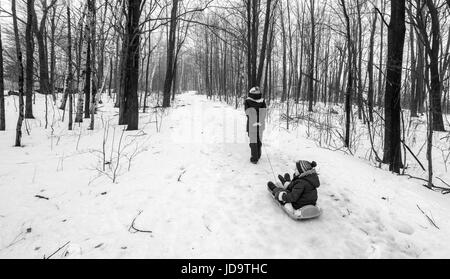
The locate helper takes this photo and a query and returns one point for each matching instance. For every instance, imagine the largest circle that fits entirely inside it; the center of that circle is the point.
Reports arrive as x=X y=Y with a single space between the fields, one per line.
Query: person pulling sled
x=255 y=109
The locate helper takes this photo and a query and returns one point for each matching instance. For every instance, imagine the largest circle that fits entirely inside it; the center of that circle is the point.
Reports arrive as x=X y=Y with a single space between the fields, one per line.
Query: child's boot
x=271 y=186
x=281 y=178
x=287 y=177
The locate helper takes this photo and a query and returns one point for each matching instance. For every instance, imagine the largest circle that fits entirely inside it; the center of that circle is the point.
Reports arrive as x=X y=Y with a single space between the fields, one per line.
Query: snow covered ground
x=188 y=190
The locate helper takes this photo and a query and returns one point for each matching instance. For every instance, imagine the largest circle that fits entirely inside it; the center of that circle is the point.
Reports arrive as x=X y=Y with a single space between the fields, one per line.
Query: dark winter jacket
x=255 y=122
x=302 y=190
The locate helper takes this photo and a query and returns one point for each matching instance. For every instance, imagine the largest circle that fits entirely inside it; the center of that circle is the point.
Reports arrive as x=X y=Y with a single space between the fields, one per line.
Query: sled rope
x=268 y=158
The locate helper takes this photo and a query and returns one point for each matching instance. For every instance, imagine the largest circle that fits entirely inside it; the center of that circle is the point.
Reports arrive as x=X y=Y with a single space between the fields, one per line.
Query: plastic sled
x=304 y=213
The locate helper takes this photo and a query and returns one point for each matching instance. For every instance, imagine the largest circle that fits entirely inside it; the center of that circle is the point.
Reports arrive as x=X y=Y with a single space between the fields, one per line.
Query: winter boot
x=254 y=153
x=287 y=177
x=271 y=186
x=281 y=178
x=258 y=150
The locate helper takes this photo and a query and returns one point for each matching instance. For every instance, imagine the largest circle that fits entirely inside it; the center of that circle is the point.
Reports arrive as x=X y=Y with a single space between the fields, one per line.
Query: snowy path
x=200 y=197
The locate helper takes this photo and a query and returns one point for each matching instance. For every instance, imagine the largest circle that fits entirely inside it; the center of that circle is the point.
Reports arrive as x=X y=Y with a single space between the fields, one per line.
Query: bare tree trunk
x=52 y=54
x=311 y=62
x=2 y=88
x=359 y=66
x=430 y=141
x=88 y=71
x=300 y=75
x=20 y=75
x=370 y=68
x=131 y=73
x=254 y=44
x=348 y=97
x=338 y=76
x=248 y=4
x=267 y=86
x=111 y=70
x=396 y=39
x=170 y=54
x=29 y=51
x=420 y=68
x=93 y=80
x=264 y=41
x=291 y=66
x=82 y=50
x=380 y=67
x=117 y=67
x=39 y=31
x=207 y=79
x=149 y=57
x=69 y=87
x=436 y=85
x=283 y=39
x=326 y=70
x=413 y=98
x=100 y=45
x=175 y=77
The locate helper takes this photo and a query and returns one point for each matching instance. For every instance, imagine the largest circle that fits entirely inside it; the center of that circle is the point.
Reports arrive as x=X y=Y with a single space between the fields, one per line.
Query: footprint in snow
x=403 y=227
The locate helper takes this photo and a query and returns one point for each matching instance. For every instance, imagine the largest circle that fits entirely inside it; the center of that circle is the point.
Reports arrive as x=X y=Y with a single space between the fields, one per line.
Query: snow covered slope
x=189 y=191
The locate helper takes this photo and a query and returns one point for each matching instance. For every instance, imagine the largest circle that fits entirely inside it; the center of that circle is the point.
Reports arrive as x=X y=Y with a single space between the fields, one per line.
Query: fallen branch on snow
x=415 y=177
x=443 y=190
x=181 y=174
x=133 y=229
x=428 y=217
x=59 y=249
x=208 y=228
x=443 y=182
x=15 y=241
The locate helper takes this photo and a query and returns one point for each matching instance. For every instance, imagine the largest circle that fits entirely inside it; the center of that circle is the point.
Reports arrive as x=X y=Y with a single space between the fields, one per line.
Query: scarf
x=306 y=173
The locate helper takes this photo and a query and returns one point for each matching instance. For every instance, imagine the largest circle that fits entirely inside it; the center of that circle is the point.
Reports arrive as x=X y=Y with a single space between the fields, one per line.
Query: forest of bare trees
x=373 y=64
x=180 y=128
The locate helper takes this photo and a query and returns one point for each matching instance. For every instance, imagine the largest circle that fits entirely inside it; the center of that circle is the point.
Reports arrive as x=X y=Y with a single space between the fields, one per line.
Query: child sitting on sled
x=301 y=190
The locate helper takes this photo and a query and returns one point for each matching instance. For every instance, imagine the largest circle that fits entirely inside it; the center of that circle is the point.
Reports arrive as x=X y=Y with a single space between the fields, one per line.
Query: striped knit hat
x=255 y=93
x=304 y=166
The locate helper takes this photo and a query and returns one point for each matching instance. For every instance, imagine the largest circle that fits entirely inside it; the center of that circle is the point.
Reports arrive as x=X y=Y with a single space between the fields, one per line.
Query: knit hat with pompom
x=304 y=166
